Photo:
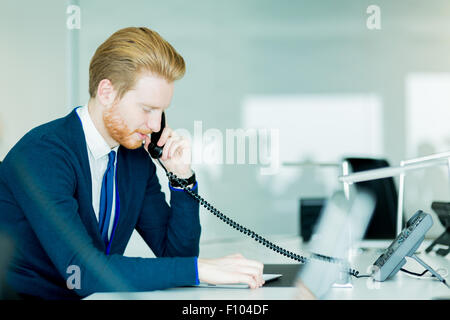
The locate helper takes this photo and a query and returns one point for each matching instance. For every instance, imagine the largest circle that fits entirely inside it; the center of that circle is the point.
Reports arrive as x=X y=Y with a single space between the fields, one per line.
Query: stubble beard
x=118 y=130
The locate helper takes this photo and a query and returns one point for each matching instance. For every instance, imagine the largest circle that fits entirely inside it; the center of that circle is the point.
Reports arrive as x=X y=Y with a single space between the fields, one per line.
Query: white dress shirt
x=98 y=151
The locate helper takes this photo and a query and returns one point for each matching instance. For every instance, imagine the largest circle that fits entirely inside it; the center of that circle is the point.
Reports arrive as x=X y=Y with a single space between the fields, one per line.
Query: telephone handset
x=156 y=152
x=153 y=149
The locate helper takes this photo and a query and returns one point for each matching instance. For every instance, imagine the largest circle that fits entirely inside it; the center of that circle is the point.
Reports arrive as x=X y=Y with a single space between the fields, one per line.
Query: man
x=73 y=190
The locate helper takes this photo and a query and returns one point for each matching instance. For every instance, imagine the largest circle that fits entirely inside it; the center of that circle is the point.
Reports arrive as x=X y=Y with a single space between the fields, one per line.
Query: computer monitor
x=310 y=209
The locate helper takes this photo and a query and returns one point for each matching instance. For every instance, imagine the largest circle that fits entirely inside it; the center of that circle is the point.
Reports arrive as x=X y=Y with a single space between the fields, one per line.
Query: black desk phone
x=387 y=264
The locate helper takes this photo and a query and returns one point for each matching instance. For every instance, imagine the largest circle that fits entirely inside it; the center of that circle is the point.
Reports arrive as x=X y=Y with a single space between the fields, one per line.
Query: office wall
x=236 y=49
x=33 y=66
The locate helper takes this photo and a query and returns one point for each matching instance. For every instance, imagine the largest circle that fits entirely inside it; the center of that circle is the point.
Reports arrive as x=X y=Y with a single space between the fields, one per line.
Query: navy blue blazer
x=46 y=207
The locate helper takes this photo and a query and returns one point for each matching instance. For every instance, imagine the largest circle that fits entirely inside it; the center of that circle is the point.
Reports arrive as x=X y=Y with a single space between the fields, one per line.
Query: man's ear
x=106 y=93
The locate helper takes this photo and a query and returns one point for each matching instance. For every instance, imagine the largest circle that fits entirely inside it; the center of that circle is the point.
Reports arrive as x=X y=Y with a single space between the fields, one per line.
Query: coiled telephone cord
x=253 y=234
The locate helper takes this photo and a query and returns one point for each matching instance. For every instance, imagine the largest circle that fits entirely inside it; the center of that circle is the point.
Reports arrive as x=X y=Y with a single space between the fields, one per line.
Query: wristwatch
x=191 y=180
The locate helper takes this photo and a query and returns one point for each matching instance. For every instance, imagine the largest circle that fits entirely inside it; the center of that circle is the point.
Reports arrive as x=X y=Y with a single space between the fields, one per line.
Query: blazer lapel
x=79 y=146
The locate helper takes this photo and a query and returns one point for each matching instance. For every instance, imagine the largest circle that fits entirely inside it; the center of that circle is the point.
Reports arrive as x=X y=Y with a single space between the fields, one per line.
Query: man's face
x=139 y=111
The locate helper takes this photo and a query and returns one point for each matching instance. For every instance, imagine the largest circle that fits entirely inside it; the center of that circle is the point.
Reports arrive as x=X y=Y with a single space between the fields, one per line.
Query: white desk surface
x=402 y=286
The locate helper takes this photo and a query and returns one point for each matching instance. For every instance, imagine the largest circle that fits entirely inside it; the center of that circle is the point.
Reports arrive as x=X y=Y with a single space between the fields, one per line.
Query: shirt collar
x=94 y=140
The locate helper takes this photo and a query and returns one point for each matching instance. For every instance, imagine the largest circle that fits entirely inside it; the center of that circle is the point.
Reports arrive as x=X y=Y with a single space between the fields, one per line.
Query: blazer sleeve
x=170 y=231
x=42 y=179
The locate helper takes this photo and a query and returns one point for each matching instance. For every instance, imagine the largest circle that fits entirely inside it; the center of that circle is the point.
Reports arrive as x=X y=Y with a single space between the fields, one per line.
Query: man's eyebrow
x=154 y=107
x=149 y=106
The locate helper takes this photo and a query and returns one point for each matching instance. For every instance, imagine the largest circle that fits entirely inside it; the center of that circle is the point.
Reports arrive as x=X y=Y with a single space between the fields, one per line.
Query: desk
x=402 y=286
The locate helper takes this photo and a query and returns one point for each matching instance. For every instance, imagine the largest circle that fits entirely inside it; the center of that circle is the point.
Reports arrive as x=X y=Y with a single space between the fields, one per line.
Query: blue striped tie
x=106 y=198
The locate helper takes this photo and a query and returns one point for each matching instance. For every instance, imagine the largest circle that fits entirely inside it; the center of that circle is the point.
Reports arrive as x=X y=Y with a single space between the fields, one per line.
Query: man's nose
x=154 y=122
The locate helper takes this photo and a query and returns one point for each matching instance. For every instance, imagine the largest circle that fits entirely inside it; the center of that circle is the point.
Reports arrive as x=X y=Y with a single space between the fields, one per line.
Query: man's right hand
x=231 y=269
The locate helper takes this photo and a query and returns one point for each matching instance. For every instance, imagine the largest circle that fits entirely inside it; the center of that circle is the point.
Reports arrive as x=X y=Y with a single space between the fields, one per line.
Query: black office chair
x=383 y=224
x=442 y=210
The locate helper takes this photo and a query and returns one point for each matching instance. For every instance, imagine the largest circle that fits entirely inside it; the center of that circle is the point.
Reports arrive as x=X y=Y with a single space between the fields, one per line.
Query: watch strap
x=191 y=180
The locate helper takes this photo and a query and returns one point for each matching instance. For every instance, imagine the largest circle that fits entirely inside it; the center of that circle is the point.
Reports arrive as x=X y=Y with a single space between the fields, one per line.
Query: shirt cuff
x=197 y=281
x=175 y=189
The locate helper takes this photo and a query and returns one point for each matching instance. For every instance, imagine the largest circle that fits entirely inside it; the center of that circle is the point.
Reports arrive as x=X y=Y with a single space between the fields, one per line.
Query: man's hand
x=231 y=269
x=177 y=153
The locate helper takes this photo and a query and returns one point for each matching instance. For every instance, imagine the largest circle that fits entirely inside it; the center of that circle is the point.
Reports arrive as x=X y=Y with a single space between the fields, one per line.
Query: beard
x=119 y=131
